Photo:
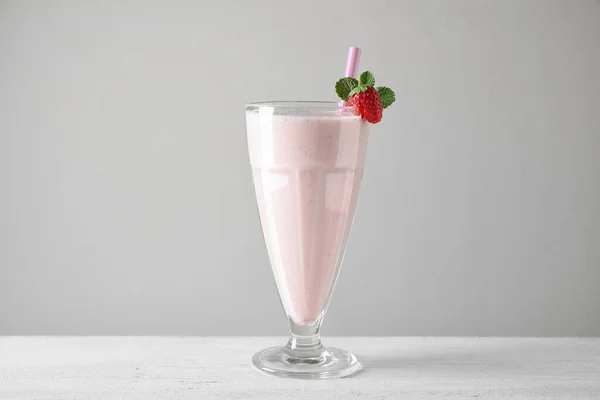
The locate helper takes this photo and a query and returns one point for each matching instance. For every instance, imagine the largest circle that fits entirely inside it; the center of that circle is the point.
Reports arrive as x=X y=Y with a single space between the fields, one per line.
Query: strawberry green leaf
x=387 y=96
x=359 y=89
x=344 y=86
x=367 y=79
x=354 y=91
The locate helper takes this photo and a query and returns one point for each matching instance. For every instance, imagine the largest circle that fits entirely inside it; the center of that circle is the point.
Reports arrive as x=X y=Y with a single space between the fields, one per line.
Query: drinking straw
x=352 y=65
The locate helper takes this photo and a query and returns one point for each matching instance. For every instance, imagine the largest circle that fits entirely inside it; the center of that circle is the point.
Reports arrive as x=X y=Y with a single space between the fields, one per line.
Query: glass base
x=315 y=363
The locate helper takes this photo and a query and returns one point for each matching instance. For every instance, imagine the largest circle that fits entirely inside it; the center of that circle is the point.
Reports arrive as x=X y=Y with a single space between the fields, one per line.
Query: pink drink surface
x=307 y=172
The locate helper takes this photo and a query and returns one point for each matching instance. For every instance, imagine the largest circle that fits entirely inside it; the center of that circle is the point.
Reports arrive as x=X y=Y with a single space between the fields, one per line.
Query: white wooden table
x=219 y=368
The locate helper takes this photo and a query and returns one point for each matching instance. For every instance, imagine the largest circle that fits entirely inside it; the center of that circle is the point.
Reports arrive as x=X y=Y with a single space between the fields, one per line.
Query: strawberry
x=368 y=104
x=368 y=100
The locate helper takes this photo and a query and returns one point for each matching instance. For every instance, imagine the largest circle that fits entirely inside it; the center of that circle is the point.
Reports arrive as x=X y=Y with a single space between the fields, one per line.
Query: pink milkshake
x=307 y=164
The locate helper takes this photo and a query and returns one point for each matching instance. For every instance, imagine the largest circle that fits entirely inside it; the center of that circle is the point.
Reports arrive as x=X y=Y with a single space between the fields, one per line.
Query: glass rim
x=302 y=104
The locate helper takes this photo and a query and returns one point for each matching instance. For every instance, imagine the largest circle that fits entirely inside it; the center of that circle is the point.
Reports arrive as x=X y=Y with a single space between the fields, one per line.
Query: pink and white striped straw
x=352 y=65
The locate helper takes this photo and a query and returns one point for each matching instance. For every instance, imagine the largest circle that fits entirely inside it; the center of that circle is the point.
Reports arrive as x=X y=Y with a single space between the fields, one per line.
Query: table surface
x=219 y=368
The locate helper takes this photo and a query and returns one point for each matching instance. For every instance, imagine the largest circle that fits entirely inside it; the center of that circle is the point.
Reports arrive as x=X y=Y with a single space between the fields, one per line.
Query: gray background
x=126 y=203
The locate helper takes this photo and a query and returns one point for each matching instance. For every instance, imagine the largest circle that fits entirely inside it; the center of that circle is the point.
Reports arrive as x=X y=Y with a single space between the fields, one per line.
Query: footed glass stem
x=305 y=357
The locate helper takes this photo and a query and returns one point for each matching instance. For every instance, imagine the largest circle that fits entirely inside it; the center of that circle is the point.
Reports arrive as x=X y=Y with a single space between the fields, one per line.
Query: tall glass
x=307 y=162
